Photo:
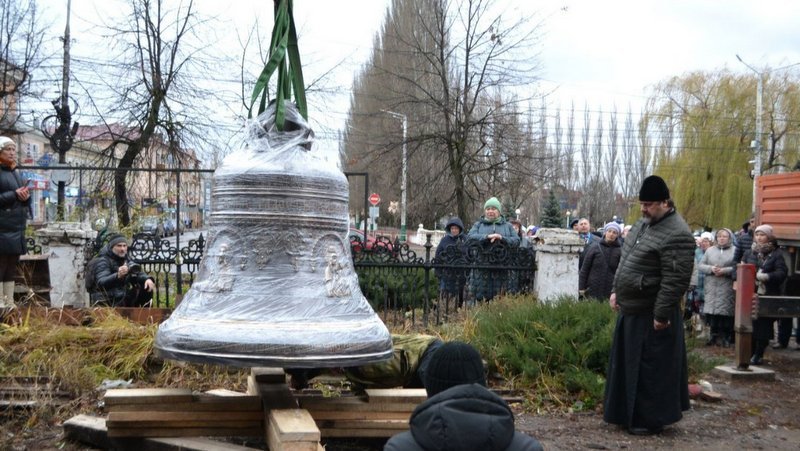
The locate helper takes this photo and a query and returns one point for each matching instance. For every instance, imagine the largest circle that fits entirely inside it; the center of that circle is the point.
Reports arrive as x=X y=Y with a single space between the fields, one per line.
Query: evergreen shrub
x=396 y=288
x=562 y=347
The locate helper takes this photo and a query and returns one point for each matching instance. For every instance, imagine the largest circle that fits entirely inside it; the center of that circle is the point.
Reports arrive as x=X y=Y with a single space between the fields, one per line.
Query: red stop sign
x=374 y=199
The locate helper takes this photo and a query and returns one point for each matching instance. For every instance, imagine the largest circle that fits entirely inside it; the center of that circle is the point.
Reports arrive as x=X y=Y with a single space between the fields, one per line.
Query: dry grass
x=77 y=359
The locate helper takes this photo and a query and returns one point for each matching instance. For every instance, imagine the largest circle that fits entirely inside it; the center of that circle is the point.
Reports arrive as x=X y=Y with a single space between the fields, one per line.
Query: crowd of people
x=644 y=271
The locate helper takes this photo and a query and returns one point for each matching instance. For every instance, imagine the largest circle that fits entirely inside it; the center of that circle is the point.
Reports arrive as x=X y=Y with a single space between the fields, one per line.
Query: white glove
x=762 y=276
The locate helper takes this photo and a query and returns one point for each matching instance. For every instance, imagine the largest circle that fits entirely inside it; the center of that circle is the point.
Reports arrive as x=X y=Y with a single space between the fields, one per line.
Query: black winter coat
x=451 y=251
x=655 y=268
x=743 y=244
x=600 y=262
x=109 y=287
x=449 y=240
x=775 y=266
x=463 y=418
x=13 y=213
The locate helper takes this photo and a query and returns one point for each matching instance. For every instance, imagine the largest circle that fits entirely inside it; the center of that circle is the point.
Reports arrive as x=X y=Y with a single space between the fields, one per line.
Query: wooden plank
x=186 y=407
x=92 y=430
x=224 y=392
x=87 y=429
x=347 y=415
x=358 y=433
x=273 y=396
x=265 y=375
x=117 y=396
x=364 y=407
x=188 y=444
x=341 y=400
x=274 y=443
x=395 y=395
x=224 y=423
x=293 y=425
x=186 y=432
x=182 y=416
x=399 y=425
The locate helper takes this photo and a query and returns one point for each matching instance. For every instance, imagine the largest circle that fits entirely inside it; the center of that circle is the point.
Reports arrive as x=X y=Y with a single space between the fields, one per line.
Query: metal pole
x=62 y=157
x=404 y=181
x=757 y=165
x=756 y=144
x=179 y=257
x=404 y=185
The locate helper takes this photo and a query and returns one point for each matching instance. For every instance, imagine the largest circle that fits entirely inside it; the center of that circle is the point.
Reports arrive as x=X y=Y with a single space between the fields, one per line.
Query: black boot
x=758 y=352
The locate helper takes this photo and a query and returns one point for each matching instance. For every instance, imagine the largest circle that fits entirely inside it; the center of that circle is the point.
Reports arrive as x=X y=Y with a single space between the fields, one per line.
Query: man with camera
x=114 y=280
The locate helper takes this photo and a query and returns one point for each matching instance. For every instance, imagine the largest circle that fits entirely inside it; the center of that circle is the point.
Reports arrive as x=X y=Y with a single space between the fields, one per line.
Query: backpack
x=88 y=274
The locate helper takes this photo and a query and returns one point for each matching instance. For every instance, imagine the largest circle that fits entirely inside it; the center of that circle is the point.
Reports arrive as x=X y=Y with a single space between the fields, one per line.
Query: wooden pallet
x=287 y=420
x=377 y=413
x=176 y=412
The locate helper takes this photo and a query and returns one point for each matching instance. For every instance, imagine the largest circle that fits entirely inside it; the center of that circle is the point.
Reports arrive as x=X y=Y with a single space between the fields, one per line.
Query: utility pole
x=756 y=143
x=62 y=137
x=403 y=185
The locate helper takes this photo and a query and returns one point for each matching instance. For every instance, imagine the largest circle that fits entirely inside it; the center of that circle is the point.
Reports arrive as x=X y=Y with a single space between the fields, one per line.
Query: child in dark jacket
x=451 y=251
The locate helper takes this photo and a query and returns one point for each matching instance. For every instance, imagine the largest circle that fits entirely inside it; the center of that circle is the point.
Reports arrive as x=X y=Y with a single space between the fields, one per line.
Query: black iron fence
x=172 y=269
x=404 y=283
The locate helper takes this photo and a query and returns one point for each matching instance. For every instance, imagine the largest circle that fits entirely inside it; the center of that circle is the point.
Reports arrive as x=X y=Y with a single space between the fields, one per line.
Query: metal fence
x=407 y=288
x=173 y=269
x=404 y=287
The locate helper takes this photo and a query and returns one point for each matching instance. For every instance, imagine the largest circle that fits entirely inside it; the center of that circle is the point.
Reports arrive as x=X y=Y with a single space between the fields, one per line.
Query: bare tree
x=442 y=64
x=21 y=36
x=153 y=98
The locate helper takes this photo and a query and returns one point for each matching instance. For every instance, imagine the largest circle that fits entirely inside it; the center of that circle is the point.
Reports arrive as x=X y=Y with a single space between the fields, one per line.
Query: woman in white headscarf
x=717 y=264
x=15 y=201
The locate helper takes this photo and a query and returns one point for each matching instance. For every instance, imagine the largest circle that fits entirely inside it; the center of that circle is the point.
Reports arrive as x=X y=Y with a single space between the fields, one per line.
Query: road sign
x=374 y=199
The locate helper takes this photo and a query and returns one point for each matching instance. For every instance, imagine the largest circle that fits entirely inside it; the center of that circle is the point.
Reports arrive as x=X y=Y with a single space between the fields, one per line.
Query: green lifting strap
x=290 y=72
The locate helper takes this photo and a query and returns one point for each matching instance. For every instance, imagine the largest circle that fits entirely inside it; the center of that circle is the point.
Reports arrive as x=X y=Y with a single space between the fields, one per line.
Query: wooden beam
x=119 y=396
x=292 y=430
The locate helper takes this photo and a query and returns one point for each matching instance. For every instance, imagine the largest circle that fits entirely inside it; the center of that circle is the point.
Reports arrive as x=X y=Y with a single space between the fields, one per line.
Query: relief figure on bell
x=335 y=277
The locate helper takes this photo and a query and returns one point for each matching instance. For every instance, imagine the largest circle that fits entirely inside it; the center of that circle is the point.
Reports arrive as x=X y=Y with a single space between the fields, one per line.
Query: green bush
x=561 y=347
x=402 y=288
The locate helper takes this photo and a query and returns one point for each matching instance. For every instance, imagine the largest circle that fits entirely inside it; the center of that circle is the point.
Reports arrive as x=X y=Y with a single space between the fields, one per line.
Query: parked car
x=154 y=226
x=379 y=244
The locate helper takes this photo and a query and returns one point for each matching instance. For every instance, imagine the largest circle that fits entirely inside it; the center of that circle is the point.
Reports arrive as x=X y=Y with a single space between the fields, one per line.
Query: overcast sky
x=603 y=52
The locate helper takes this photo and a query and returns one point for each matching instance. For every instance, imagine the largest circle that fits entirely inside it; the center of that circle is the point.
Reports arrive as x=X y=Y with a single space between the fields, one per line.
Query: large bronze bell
x=276 y=286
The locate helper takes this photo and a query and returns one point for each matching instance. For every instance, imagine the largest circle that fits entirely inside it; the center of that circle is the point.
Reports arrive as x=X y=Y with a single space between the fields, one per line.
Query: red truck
x=777 y=204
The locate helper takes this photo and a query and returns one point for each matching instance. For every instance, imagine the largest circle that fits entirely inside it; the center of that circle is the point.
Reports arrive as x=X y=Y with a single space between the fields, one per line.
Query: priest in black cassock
x=647 y=378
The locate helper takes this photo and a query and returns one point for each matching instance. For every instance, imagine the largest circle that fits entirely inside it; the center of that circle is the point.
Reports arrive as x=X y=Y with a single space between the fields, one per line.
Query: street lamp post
x=404 y=180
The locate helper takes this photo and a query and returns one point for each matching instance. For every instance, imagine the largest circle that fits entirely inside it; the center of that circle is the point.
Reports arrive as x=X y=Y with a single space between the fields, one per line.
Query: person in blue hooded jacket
x=490 y=230
x=450 y=251
x=460 y=412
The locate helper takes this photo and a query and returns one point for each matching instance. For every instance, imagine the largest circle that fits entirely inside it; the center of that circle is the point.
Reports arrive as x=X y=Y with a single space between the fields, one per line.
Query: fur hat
x=116 y=239
x=613 y=226
x=4 y=141
x=454 y=363
x=707 y=236
x=767 y=229
x=493 y=202
x=654 y=189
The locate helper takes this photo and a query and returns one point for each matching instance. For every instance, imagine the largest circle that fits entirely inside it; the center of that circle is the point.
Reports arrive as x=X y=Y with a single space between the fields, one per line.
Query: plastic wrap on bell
x=276 y=286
